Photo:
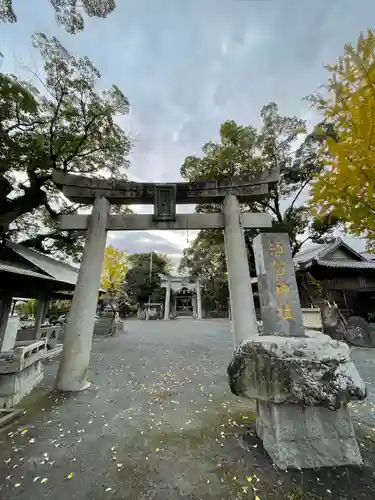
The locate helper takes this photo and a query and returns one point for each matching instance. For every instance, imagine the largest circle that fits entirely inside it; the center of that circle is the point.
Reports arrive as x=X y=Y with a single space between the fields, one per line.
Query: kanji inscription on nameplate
x=165 y=202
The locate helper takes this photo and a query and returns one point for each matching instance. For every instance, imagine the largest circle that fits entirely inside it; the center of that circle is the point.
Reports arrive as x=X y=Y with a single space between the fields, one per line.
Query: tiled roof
x=316 y=255
x=368 y=256
x=55 y=269
x=348 y=264
x=11 y=268
x=313 y=252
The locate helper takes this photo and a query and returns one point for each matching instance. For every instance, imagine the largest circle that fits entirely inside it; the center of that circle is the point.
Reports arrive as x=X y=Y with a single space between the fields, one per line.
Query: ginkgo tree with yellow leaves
x=346 y=185
x=115 y=267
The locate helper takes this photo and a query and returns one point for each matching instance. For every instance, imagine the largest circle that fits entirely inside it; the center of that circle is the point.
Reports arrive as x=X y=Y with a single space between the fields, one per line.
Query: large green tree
x=243 y=149
x=160 y=262
x=63 y=122
x=144 y=278
x=69 y=13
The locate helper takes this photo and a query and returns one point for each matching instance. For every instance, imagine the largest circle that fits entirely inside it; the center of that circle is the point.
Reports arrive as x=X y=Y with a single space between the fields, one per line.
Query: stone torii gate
x=72 y=374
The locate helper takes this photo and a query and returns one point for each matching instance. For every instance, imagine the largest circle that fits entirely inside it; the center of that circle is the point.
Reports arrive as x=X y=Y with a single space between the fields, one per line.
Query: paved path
x=364 y=411
x=152 y=391
x=158 y=423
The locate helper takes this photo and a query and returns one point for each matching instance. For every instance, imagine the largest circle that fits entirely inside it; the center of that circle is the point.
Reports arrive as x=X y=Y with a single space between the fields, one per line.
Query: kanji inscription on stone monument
x=282 y=287
x=278 y=292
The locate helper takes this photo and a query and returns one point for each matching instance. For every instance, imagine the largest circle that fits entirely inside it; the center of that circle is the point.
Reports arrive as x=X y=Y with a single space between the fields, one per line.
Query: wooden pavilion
x=29 y=274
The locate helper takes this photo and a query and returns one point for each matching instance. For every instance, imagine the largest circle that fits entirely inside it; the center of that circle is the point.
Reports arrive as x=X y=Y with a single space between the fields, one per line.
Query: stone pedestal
x=21 y=369
x=302 y=387
x=104 y=324
x=302 y=380
x=303 y=437
x=15 y=386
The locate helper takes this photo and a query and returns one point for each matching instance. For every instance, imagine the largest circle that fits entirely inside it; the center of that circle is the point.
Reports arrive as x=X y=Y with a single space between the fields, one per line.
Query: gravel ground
x=160 y=423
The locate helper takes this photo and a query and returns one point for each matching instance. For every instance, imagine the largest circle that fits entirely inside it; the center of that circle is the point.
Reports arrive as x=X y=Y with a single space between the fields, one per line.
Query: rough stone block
x=311 y=371
x=302 y=387
x=298 y=437
x=15 y=386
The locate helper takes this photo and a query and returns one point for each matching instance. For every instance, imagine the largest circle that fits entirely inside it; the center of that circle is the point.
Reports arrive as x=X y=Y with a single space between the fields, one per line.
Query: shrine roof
x=28 y=273
x=336 y=254
x=46 y=266
x=346 y=264
x=14 y=269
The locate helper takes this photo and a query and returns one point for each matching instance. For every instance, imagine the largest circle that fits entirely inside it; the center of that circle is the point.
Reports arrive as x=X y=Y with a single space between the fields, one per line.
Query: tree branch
x=37 y=241
x=32 y=198
x=289 y=211
x=298 y=245
x=54 y=118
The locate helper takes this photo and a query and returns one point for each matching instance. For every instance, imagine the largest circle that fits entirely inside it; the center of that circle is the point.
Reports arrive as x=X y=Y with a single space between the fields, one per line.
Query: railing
x=24 y=354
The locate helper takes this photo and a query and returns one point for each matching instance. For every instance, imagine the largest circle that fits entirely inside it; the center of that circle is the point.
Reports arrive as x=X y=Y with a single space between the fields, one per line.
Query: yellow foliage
x=114 y=269
x=346 y=185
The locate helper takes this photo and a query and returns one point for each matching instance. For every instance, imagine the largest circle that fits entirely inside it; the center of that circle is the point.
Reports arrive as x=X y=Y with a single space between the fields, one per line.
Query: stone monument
x=302 y=381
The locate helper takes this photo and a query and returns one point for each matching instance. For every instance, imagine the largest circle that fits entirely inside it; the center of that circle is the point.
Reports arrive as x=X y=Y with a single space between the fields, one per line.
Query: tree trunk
x=10 y=210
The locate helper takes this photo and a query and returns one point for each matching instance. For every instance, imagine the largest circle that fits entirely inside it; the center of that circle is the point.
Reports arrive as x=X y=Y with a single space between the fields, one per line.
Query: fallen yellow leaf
x=70 y=475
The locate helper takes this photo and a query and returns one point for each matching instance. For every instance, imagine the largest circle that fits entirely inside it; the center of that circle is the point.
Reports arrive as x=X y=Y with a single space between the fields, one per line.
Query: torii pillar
x=72 y=374
x=243 y=315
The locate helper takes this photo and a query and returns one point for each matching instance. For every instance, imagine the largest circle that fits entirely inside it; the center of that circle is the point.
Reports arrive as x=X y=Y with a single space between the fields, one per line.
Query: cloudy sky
x=187 y=66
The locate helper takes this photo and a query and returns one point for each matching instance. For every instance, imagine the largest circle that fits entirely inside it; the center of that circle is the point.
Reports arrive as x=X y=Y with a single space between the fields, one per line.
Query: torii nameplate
x=164 y=202
x=254 y=186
